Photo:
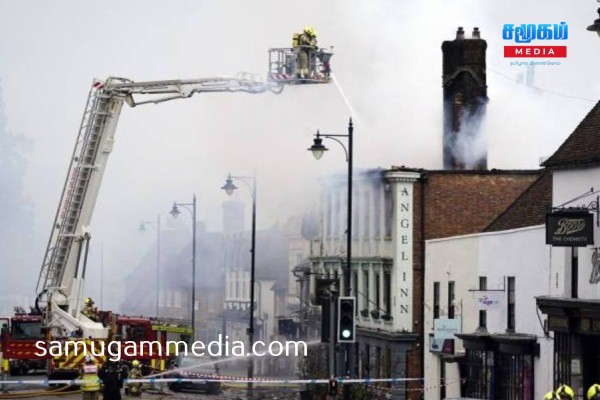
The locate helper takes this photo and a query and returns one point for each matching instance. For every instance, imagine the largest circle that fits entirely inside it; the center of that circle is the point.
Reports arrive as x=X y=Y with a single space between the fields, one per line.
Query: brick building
x=394 y=212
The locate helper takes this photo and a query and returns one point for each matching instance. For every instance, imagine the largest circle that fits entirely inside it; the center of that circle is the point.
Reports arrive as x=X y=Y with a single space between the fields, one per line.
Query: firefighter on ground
x=551 y=396
x=565 y=392
x=134 y=388
x=90 y=385
x=305 y=48
x=593 y=392
x=112 y=375
x=88 y=308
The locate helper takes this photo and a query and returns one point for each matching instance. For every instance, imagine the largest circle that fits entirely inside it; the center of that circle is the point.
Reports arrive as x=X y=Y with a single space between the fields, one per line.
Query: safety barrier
x=47 y=382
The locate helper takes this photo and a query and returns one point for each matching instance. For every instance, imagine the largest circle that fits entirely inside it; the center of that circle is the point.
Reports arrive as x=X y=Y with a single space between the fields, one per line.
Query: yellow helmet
x=593 y=392
x=565 y=391
x=551 y=396
x=88 y=300
x=309 y=31
x=135 y=363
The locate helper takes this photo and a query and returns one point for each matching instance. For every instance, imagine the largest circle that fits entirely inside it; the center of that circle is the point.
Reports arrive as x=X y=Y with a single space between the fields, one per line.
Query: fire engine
x=59 y=289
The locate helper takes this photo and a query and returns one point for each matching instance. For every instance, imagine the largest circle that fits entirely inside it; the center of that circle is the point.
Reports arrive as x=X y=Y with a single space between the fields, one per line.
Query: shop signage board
x=445 y=328
x=572 y=228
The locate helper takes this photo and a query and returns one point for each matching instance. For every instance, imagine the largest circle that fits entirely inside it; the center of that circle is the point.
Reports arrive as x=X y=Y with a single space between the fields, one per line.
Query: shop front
x=575 y=326
x=498 y=366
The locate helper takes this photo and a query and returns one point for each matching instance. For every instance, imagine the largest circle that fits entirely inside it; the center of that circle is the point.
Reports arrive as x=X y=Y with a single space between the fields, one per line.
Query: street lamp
x=595 y=27
x=229 y=187
x=175 y=213
x=318 y=149
x=143 y=229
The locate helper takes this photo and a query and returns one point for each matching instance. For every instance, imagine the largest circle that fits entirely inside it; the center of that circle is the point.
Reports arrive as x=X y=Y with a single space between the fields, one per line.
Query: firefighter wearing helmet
x=90 y=383
x=134 y=388
x=565 y=392
x=305 y=50
x=88 y=308
x=593 y=392
x=551 y=396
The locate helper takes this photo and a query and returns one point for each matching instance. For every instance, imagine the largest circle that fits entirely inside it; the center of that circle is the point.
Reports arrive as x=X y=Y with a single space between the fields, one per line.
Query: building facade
x=394 y=211
x=573 y=309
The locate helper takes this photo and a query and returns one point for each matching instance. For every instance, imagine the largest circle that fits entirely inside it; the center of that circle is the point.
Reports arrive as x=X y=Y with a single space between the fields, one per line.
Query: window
x=451 y=299
x=335 y=216
x=366 y=289
x=356 y=214
x=377 y=291
x=510 y=323
x=482 y=313
x=478 y=371
x=436 y=300
x=514 y=376
x=329 y=216
x=366 y=215
x=389 y=210
x=387 y=292
x=27 y=330
x=377 y=211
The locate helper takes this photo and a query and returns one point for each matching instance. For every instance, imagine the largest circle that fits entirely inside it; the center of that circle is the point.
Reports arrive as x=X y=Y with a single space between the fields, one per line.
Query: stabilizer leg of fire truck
x=283 y=66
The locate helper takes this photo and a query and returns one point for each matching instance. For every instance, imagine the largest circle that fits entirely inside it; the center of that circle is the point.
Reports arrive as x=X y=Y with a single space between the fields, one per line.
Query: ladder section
x=65 y=228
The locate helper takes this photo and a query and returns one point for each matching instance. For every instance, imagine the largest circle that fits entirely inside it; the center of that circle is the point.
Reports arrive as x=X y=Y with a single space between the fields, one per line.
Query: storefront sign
x=441 y=346
x=570 y=228
x=485 y=300
x=445 y=328
x=595 y=276
x=558 y=323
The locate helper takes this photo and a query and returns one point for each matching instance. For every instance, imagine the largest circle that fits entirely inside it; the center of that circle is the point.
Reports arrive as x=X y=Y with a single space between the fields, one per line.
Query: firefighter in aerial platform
x=305 y=47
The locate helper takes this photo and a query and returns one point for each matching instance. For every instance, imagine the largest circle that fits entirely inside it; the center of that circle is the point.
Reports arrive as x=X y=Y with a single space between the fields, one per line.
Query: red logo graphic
x=535 y=51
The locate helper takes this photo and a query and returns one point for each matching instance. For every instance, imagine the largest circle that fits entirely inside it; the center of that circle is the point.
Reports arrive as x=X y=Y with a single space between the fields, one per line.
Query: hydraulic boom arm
x=61 y=277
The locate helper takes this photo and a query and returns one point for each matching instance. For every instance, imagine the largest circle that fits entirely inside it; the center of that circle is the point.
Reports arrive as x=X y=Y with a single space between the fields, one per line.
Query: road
x=229 y=392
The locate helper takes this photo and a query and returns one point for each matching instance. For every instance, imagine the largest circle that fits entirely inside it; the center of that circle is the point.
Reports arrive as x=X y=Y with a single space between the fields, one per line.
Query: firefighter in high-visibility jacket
x=305 y=45
x=134 y=388
x=88 y=308
x=90 y=383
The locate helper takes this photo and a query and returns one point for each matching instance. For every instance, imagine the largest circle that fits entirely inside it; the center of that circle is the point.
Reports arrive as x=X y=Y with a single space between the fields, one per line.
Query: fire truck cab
x=18 y=336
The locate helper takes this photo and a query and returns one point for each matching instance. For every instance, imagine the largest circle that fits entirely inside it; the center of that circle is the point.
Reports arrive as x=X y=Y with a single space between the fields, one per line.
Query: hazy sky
x=387 y=60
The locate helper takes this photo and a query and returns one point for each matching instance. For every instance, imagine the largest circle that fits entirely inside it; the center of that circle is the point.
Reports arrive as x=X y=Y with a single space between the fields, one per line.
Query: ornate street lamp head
x=175 y=211
x=317 y=148
x=595 y=27
x=229 y=187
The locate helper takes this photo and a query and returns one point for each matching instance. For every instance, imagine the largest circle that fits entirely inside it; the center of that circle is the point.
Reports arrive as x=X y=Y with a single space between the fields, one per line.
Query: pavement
x=229 y=392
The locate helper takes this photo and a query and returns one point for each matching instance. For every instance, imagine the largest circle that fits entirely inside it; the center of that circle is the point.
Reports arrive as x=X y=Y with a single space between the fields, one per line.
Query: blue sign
x=525 y=33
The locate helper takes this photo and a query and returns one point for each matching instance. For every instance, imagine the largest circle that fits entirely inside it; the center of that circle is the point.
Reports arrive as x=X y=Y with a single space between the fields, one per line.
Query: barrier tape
x=47 y=382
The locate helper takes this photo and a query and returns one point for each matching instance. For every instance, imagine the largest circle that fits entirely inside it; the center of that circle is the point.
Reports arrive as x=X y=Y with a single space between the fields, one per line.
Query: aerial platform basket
x=283 y=66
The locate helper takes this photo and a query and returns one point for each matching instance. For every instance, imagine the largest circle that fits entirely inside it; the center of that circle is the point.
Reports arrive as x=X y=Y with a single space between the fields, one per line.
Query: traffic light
x=333 y=387
x=346 y=320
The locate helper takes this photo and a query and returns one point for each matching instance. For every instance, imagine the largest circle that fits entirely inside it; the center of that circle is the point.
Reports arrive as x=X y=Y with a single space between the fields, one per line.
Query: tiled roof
x=528 y=209
x=583 y=146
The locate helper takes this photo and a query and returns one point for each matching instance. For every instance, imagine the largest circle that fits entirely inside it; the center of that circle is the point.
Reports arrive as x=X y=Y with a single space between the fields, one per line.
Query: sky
x=388 y=68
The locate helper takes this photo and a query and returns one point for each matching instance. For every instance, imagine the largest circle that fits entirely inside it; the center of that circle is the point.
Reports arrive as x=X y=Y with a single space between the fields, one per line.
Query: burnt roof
x=528 y=209
x=582 y=147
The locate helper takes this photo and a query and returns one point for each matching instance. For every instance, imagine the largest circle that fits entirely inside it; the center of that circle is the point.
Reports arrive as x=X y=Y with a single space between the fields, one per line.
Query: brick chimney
x=465 y=97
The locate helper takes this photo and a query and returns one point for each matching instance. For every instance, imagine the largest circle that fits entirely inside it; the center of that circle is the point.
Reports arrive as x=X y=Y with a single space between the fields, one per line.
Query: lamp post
x=174 y=213
x=595 y=27
x=318 y=150
x=229 y=187
x=143 y=229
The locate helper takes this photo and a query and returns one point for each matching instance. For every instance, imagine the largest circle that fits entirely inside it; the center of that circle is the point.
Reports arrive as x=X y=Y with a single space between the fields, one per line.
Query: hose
x=52 y=392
